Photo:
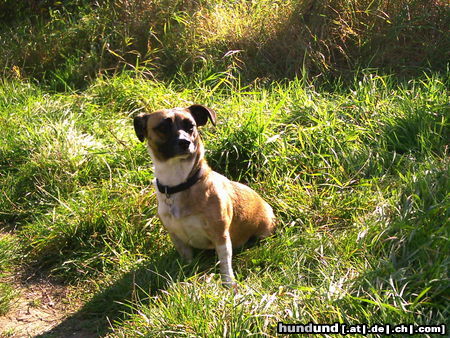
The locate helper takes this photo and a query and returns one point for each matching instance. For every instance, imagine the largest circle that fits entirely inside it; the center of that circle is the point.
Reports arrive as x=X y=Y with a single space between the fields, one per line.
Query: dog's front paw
x=230 y=284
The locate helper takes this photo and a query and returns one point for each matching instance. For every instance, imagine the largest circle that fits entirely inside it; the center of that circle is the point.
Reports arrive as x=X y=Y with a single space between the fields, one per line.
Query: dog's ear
x=201 y=114
x=140 y=125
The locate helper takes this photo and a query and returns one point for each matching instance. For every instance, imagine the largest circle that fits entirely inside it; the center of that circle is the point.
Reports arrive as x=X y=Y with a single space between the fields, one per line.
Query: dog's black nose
x=184 y=144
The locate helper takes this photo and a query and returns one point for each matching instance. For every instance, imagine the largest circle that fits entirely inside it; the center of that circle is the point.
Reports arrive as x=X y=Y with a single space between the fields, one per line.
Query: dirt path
x=39 y=307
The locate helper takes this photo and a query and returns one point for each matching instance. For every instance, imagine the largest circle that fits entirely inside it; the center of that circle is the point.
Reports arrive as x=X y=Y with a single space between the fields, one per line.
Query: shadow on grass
x=116 y=302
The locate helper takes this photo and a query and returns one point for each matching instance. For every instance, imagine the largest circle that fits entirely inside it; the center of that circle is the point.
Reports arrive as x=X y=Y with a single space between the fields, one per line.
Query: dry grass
x=263 y=39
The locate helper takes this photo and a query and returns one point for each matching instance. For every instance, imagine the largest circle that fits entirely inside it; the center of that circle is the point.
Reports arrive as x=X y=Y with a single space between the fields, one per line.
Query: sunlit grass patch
x=357 y=177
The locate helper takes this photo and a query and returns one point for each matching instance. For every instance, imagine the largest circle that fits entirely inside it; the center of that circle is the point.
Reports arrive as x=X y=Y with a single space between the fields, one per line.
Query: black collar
x=165 y=189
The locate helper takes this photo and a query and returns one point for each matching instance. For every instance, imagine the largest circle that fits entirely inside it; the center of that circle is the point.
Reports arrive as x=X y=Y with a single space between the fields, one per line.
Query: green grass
x=358 y=177
x=9 y=258
x=355 y=162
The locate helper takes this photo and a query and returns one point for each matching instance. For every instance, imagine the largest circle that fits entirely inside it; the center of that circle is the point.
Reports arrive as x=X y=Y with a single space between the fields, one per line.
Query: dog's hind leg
x=267 y=225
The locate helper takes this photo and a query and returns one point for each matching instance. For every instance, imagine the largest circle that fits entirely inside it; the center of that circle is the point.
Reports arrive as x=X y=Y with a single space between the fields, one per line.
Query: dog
x=199 y=207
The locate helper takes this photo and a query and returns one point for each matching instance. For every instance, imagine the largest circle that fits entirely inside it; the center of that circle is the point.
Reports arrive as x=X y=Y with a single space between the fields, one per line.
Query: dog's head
x=172 y=133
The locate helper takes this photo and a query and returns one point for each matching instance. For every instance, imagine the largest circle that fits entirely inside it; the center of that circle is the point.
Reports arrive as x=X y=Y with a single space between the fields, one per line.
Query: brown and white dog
x=199 y=207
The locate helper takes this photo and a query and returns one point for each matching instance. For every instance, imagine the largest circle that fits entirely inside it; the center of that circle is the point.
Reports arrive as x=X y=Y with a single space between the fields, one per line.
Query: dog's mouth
x=185 y=146
x=186 y=150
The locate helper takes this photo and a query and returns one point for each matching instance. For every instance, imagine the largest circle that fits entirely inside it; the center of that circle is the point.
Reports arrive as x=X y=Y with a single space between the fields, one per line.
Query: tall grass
x=358 y=178
x=68 y=43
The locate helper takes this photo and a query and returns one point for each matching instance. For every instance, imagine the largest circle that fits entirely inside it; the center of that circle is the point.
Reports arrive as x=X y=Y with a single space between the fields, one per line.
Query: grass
x=67 y=44
x=9 y=256
x=357 y=175
x=336 y=112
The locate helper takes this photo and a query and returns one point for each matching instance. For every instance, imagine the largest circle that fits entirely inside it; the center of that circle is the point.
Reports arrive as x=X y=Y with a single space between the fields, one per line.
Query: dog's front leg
x=183 y=249
x=224 y=251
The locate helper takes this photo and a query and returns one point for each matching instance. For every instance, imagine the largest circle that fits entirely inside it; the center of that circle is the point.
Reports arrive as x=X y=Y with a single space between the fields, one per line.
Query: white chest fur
x=188 y=228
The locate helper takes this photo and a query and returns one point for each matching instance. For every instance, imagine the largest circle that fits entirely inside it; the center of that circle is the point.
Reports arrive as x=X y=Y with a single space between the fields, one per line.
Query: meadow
x=352 y=156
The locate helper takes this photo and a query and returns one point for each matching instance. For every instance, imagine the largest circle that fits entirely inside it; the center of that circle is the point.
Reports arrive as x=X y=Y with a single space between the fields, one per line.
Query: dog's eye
x=165 y=126
x=188 y=126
